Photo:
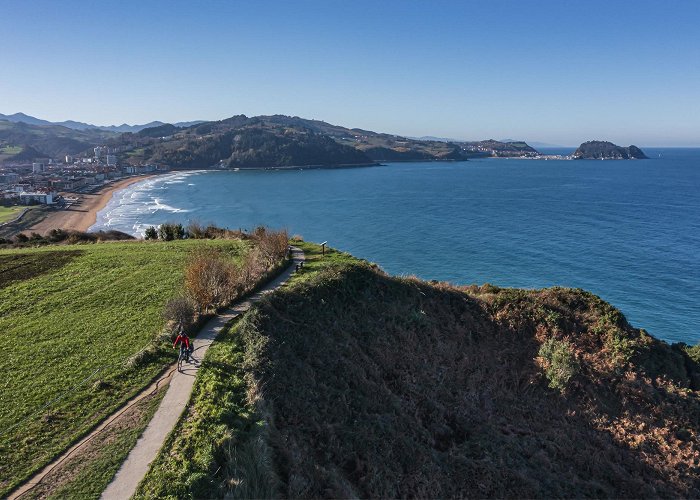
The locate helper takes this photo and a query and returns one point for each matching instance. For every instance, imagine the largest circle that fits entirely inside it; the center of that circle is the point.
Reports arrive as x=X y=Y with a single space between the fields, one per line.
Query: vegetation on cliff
x=352 y=383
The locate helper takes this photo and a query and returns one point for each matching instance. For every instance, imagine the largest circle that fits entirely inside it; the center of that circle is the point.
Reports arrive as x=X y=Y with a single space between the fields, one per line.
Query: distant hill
x=243 y=142
x=604 y=150
x=239 y=142
x=504 y=149
x=51 y=141
x=30 y=120
x=279 y=140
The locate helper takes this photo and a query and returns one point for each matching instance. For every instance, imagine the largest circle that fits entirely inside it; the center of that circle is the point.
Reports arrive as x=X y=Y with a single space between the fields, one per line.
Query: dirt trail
x=139 y=459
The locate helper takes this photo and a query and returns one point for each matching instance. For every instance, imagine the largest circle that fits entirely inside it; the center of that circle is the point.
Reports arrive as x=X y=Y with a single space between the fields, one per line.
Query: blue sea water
x=628 y=231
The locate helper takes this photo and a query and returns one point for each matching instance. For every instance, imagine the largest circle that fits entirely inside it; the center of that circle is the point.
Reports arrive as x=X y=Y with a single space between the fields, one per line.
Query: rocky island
x=604 y=150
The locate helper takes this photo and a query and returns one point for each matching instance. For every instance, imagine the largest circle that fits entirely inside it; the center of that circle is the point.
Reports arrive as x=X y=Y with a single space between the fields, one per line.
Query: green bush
x=169 y=232
x=560 y=362
x=151 y=233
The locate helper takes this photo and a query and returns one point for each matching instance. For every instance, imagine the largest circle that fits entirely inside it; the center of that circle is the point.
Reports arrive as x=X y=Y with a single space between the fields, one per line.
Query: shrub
x=559 y=362
x=272 y=244
x=620 y=347
x=169 y=232
x=251 y=270
x=209 y=279
x=196 y=230
x=180 y=311
x=56 y=235
x=151 y=233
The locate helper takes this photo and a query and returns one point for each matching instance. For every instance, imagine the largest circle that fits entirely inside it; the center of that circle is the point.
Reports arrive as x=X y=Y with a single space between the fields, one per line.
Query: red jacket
x=184 y=339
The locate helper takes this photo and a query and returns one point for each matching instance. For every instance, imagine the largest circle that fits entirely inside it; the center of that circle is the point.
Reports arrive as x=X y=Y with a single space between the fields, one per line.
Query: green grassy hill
x=279 y=141
x=9 y=213
x=79 y=324
x=22 y=141
x=352 y=383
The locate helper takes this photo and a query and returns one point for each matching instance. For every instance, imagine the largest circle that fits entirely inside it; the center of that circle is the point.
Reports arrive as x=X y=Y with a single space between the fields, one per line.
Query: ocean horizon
x=628 y=231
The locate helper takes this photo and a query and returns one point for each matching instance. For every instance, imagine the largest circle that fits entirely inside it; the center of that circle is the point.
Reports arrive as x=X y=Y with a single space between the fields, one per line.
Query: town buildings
x=41 y=179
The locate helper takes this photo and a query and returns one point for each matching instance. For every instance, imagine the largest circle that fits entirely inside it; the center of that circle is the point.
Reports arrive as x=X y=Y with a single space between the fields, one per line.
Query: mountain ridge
x=265 y=141
x=76 y=125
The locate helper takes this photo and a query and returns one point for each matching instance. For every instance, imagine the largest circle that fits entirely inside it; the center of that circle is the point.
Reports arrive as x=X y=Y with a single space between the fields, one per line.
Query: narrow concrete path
x=163 y=422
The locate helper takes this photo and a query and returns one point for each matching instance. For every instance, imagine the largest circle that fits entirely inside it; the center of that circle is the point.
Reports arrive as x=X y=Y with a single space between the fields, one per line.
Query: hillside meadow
x=80 y=328
x=9 y=213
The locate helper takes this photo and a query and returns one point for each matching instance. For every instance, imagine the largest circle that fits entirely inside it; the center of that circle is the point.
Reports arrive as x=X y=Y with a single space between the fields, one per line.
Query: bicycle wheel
x=180 y=358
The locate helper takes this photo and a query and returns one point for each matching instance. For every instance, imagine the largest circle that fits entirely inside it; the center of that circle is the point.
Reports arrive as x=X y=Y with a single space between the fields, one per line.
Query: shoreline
x=83 y=213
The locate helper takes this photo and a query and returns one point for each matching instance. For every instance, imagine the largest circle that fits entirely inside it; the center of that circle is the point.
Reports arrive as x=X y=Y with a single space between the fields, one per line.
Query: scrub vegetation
x=352 y=383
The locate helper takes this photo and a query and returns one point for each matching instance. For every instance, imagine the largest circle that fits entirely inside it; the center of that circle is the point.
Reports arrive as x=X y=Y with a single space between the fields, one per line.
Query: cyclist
x=185 y=345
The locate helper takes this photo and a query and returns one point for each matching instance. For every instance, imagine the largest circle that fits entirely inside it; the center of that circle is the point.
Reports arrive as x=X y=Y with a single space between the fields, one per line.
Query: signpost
x=323 y=248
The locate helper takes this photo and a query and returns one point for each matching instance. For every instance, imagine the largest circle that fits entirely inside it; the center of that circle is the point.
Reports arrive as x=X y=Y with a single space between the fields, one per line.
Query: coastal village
x=41 y=180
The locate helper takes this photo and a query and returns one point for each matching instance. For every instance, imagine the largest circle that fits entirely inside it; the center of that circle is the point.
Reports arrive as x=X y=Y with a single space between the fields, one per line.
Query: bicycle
x=184 y=356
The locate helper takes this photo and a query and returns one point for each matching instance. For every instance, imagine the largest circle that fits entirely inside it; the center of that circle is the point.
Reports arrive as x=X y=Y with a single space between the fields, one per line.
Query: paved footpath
x=163 y=422
x=171 y=407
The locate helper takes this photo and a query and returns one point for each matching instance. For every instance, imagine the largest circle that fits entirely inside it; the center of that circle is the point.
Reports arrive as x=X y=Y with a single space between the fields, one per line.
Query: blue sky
x=553 y=71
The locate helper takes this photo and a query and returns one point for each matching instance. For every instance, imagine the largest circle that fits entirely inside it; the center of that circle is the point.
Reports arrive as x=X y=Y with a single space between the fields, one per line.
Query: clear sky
x=554 y=71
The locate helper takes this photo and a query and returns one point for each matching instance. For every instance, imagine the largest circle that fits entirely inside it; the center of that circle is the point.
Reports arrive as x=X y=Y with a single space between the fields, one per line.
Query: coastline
x=83 y=213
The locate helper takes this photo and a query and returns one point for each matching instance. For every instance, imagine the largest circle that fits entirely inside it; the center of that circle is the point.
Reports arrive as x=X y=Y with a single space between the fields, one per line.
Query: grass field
x=10 y=150
x=74 y=320
x=86 y=473
x=9 y=213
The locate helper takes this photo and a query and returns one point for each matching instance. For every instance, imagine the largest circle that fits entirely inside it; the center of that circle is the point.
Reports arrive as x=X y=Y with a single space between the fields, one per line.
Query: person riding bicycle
x=185 y=345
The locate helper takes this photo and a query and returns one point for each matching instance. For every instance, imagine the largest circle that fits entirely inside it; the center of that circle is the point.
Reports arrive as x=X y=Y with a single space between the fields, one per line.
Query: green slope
x=78 y=326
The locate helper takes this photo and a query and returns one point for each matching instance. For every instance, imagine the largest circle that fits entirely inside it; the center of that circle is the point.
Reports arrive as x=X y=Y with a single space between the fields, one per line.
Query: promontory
x=604 y=150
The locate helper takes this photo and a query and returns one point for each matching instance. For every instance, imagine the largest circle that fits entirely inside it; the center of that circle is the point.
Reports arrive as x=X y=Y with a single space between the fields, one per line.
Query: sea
x=628 y=231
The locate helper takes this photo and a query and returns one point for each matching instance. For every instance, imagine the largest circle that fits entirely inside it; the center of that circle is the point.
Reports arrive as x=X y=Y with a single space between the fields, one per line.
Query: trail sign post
x=323 y=248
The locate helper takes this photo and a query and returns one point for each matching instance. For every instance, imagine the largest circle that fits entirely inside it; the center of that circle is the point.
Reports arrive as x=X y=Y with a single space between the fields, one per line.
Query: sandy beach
x=83 y=213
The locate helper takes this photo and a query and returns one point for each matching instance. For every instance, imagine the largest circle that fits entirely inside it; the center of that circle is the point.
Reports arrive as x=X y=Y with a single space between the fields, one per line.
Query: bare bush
x=208 y=279
x=251 y=270
x=273 y=245
x=212 y=280
x=180 y=311
x=196 y=230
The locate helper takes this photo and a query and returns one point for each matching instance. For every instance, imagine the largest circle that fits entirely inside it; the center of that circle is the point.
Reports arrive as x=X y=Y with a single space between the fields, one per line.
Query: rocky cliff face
x=603 y=150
